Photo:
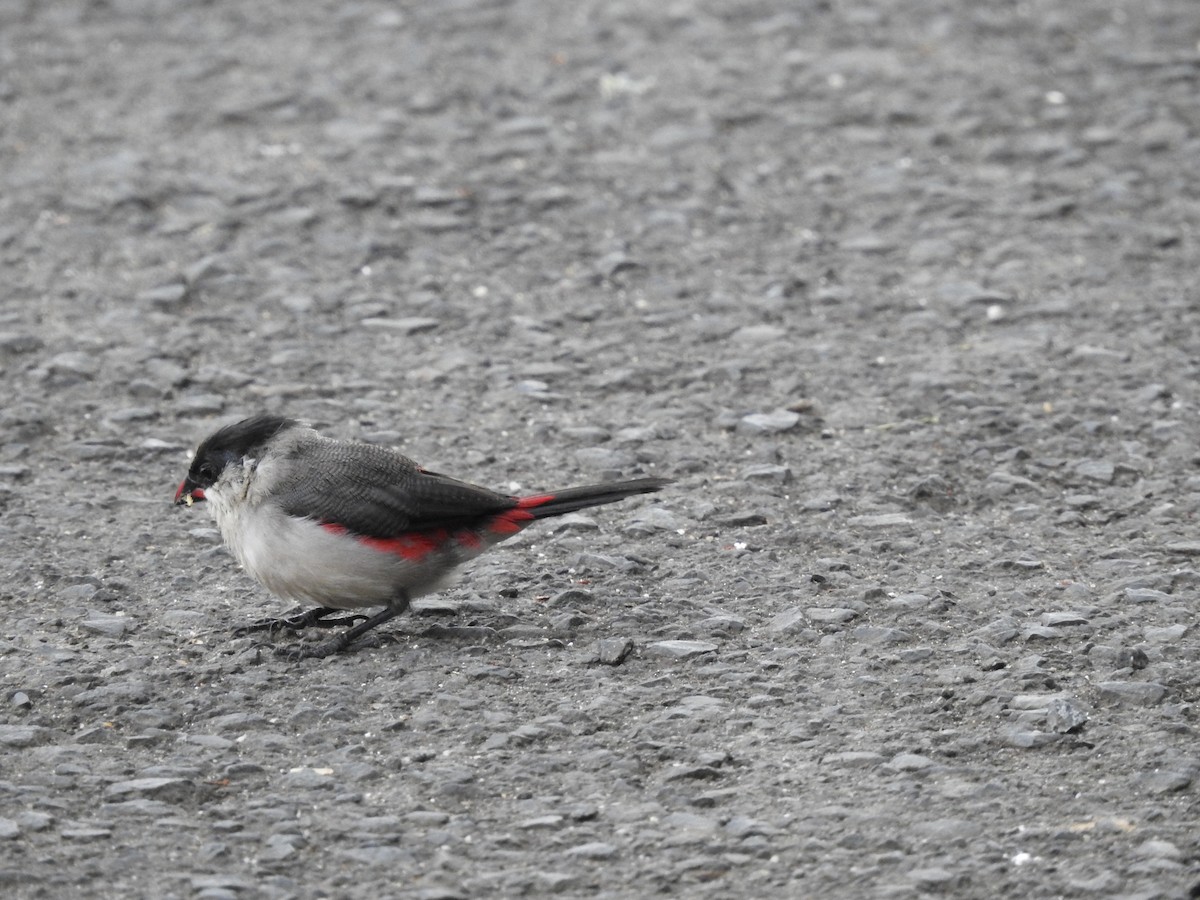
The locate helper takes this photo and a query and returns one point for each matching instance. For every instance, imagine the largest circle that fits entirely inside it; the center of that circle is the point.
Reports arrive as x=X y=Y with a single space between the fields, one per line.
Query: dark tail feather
x=540 y=506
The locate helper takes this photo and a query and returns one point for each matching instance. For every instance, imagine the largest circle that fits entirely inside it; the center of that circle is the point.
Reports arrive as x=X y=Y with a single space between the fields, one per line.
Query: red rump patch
x=510 y=521
x=535 y=500
x=513 y=520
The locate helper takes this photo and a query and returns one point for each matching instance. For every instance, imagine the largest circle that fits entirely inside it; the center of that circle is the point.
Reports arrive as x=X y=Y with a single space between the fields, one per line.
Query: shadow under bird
x=342 y=525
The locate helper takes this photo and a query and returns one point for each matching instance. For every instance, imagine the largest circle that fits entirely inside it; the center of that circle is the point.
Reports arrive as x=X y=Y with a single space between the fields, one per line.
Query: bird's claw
x=345 y=620
x=301 y=619
x=330 y=647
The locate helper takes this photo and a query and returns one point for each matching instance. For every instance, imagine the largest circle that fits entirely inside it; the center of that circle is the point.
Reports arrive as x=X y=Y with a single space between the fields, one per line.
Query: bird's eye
x=207 y=471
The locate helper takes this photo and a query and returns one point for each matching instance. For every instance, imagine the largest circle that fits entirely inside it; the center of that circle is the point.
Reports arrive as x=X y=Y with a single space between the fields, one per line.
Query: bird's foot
x=322 y=649
x=348 y=638
x=298 y=620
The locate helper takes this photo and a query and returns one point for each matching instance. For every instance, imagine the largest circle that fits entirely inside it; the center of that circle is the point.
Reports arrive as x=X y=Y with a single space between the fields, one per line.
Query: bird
x=338 y=525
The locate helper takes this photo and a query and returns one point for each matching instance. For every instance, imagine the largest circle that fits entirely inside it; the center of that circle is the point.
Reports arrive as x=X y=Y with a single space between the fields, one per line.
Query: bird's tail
x=557 y=503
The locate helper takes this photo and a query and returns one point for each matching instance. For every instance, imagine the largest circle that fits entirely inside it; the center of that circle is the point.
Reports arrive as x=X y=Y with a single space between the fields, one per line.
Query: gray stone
x=85 y=834
x=165 y=296
x=593 y=850
x=1096 y=470
x=211 y=741
x=612 y=651
x=789 y=620
x=679 y=649
x=758 y=334
x=742 y=520
x=1133 y=693
x=721 y=625
x=78 y=593
x=1026 y=740
x=1159 y=849
x=655 y=518
x=556 y=882
x=768 y=472
x=1185 y=548
x=1063 y=716
x=33 y=820
x=1060 y=619
x=910 y=762
x=882 y=520
x=108 y=625
x=217 y=882
x=167 y=789
x=16 y=343
x=604 y=459
x=280 y=847
x=830 y=614
x=81 y=366
x=855 y=759
x=550 y=822
x=22 y=735
x=1146 y=595
x=1166 y=781
x=1169 y=634
x=406 y=325
x=934 y=877
x=877 y=634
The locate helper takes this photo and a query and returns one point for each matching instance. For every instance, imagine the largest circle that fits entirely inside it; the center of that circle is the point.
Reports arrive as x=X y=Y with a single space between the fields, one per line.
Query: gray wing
x=376 y=492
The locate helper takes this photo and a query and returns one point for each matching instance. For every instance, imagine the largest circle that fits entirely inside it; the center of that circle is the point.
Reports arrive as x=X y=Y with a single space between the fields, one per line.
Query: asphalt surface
x=903 y=295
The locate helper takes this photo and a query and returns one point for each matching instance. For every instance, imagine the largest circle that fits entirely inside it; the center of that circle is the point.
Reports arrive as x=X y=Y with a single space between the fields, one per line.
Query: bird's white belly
x=299 y=560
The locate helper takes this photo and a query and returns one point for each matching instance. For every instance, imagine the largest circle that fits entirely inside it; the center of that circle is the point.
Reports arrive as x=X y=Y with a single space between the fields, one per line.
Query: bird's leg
x=297 y=619
x=347 y=637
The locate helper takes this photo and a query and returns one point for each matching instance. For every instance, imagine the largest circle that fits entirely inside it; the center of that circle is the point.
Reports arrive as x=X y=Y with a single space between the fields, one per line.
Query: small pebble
x=22 y=735
x=830 y=614
x=883 y=520
x=593 y=850
x=1159 y=849
x=1060 y=619
x=612 y=651
x=910 y=762
x=604 y=459
x=768 y=472
x=1064 y=716
x=776 y=422
x=406 y=326
x=1169 y=634
x=793 y=619
x=167 y=789
x=1146 y=595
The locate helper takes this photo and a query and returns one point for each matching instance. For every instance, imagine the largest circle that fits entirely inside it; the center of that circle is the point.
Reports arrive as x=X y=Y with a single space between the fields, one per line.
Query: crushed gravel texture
x=903 y=294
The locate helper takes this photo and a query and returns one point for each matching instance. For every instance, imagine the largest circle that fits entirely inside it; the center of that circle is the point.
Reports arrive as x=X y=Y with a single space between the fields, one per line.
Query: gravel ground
x=902 y=294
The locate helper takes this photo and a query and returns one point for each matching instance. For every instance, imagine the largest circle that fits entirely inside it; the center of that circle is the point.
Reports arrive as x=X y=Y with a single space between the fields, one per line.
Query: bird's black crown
x=233 y=443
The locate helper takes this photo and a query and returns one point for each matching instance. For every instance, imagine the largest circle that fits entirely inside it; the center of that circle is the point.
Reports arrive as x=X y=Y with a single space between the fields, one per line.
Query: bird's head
x=230 y=445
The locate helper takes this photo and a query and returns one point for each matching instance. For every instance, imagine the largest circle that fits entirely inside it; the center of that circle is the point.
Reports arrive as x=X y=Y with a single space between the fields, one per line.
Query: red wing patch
x=469 y=540
x=413 y=546
x=416 y=546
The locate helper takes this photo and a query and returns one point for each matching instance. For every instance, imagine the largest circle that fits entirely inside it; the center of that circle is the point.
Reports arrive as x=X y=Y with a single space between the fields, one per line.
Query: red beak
x=187 y=494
